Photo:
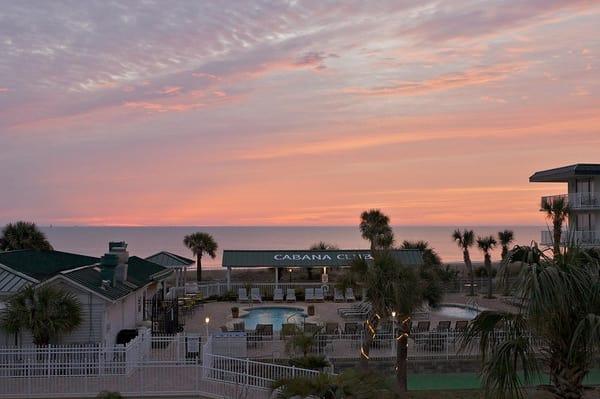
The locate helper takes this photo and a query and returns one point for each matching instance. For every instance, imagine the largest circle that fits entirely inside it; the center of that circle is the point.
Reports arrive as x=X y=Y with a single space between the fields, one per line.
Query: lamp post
x=206 y=321
x=290 y=271
x=394 y=331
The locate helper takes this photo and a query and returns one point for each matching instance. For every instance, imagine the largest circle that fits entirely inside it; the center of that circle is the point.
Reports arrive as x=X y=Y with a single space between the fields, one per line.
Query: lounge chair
x=288 y=330
x=264 y=331
x=351 y=328
x=331 y=328
x=361 y=313
x=224 y=329
x=461 y=325
x=443 y=325
x=239 y=327
x=242 y=295
x=338 y=296
x=309 y=294
x=290 y=295
x=278 y=295
x=350 y=295
x=255 y=295
x=423 y=326
x=319 y=295
x=352 y=308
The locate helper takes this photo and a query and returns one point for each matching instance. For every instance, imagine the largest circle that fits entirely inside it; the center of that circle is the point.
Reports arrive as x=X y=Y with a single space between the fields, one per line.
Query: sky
x=292 y=112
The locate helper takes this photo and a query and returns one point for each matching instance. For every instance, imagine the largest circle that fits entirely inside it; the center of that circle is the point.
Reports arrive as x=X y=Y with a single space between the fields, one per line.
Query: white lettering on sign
x=321 y=257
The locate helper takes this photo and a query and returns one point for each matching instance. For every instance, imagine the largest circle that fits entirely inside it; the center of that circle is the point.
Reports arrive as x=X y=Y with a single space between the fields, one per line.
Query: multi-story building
x=583 y=198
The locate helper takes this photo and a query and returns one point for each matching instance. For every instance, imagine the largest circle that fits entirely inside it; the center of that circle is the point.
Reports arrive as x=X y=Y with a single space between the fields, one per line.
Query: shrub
x=481 y=271
x=310 y=362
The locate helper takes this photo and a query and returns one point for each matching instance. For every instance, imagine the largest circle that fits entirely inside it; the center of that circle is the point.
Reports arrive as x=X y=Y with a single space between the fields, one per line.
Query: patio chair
x=423 y=326
x=353 y=308
x=360 y=313
x=242 y=295
x=278 y=295
x=351 y=328
x=443 y=325
x=331 y=328
x=290 y=295
x=309 y=294
x=461 y=325
x=239 y=327
x=350 y=295
x=288 y=330
x=264 y=331
x=338 y=296
x=255 y=295
x=319 y=295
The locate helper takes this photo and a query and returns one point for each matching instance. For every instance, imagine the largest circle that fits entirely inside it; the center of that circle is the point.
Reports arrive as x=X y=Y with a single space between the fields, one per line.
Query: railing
x=576 y=237
x=575 y=200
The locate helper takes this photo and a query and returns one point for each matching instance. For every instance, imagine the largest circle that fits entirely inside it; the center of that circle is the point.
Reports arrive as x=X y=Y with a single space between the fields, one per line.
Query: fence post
x=247 y=371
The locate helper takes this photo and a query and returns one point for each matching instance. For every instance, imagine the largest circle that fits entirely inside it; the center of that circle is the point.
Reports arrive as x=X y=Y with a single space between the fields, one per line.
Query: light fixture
x=394 y=315
x=207 y=320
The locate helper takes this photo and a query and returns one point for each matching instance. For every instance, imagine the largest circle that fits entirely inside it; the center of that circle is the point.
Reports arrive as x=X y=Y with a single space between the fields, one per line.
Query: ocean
x=145 y=241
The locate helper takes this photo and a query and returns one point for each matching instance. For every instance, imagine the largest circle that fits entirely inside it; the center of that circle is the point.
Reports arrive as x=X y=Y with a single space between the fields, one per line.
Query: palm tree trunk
x=365 y=348
x=401 y=357
x=488 y=267
x=567 y=382
x=470 y=270
x=198 y=267
x=557 y=236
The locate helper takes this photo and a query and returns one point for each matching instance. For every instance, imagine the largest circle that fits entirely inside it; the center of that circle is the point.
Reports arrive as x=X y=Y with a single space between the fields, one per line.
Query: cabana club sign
x=322 y=257
x=306 y=258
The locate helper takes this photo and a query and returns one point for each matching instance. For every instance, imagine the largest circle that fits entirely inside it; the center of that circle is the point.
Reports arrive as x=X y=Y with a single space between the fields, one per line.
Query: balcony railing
x=575 y=237
x=575 y=200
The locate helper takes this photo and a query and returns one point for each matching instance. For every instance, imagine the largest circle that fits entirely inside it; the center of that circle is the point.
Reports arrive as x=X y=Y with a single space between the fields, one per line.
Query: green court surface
x=458 y=381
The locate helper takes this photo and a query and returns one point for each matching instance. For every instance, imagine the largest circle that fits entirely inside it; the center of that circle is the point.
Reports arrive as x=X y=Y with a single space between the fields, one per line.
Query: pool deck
x=219 y=313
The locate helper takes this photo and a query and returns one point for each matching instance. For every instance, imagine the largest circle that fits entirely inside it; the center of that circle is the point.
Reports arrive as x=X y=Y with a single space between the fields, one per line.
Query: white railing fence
x=574 y=200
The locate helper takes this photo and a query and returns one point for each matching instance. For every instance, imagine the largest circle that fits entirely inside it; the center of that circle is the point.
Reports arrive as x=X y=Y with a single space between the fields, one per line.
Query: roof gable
x=169 y=259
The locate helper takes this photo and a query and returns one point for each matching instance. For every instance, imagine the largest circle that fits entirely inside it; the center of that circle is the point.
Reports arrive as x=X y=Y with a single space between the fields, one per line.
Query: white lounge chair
x=338 y=296
x=242 y=295
x=290 y=295
x=278 y=295
x=319 y=295
x=309 y=294
x=255 y=295
x=350 y=294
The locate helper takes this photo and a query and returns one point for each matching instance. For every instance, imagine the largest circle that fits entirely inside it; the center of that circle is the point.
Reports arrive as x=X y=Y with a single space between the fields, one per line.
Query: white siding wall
x=92 y=312
x=124 y=314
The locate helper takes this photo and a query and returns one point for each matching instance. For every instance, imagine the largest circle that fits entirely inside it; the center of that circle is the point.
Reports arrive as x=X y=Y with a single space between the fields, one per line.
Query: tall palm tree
x=430 y=256
x=320 y=246
x=505 y=238
x=375 y=227
x=46 y=312
x=557 y=210
x=465 y=240
x=560 y=307
x=23 y=235
x=486 y=245
x=201 y=243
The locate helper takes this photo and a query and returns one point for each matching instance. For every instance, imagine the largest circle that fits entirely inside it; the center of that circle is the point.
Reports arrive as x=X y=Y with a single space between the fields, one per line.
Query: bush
x=310 y=362
x=109 y=395
x=447 y=274
x=229 y=296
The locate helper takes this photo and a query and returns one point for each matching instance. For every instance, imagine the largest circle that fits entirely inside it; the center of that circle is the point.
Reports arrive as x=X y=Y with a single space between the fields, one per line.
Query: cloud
x=474 y=76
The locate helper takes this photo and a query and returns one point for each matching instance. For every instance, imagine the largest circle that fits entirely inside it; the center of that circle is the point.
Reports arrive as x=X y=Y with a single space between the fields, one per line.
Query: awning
x=307 y=258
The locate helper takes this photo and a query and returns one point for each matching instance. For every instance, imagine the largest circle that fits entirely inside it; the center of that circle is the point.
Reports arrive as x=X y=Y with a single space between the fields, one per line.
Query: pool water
x=273 y=315
x=456 y=312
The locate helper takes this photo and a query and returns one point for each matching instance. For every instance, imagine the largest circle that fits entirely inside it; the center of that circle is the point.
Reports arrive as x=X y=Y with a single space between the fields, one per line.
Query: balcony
x=576 y=201
x=575 y=237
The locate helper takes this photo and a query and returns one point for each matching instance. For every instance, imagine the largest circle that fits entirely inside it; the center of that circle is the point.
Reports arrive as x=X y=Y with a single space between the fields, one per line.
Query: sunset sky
x=292 y=112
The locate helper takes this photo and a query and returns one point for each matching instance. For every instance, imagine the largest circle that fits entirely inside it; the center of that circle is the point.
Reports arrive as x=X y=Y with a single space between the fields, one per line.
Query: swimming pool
x=455 y=311
x=272 y=315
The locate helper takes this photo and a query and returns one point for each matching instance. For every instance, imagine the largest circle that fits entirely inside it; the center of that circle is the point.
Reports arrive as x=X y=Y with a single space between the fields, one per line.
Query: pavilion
x=284 y=259
x=177 y=263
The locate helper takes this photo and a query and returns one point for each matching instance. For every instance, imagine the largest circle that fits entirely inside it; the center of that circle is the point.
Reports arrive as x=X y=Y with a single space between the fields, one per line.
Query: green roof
x=169 y=259
x=307 y=258
x=140 y=272
x=41 y=265
x=563 y=174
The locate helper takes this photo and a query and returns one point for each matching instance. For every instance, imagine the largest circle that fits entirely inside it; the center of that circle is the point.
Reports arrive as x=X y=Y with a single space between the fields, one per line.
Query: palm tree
x=375 y=227
x=465 y=240
x=430 y=256
x=46 y=312
x=23 y=235
x=201 y=243
x=487 y=244
x=505 y=238
x=557 y=210
x=560 y=307
x=320 y=246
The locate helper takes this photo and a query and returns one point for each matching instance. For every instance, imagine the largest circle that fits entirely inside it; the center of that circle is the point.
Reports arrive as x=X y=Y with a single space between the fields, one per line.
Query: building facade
x=583 y=198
